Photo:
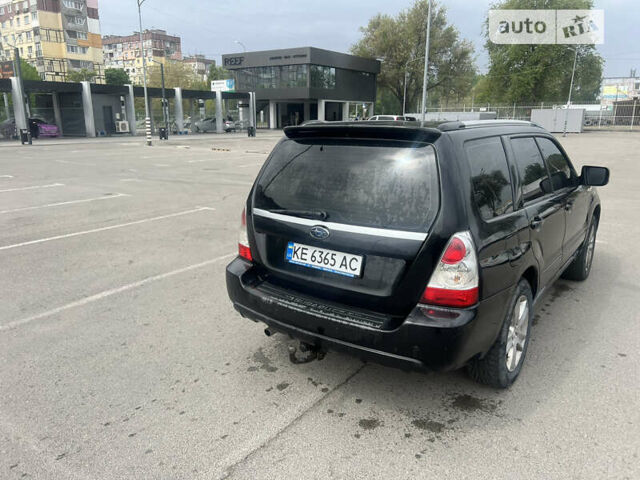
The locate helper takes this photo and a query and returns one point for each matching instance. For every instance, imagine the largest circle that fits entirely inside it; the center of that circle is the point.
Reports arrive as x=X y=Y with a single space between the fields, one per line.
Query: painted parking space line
x=104 y=229
x=69 y=162
x=6 y=176
x=113 y=291
x=203 y=160
x=71 y=202
x=247 y=165
x=33 y=187
x=225 y=181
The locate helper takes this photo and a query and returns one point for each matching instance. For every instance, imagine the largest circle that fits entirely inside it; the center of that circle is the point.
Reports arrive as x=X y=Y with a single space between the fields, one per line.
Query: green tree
x=29 y=72
x=538 y=73
x=82 y=75
x=387 y=102
x=116 y=76
x=176 y=74
x=400 y=41
x=218 y=73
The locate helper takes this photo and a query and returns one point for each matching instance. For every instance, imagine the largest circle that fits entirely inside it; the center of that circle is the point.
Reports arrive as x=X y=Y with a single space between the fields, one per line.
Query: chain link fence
x=620 y=116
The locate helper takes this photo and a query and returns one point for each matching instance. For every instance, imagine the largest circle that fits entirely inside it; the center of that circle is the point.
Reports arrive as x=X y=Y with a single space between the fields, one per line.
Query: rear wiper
x=313 y=214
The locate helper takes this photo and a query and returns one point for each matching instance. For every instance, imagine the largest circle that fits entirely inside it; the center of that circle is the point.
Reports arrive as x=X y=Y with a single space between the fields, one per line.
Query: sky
x=212 y=27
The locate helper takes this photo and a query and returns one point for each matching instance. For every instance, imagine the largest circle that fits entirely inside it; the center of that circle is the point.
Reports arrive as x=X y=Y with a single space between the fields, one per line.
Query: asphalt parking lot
x=121 y=356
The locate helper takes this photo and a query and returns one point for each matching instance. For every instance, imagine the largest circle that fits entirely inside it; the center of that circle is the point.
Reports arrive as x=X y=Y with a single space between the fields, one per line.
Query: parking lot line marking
x=103 y=229
x=6 y=176
x=71 y=202
x=34 y=187
x=249 y=165
x=113 y=291
x=76 y=163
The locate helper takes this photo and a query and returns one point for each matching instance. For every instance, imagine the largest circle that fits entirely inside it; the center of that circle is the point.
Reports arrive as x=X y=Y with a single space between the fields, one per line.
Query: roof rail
x=450 y=126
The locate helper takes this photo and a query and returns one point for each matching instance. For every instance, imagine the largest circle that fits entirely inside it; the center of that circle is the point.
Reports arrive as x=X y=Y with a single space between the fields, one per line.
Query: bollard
x=147 y=122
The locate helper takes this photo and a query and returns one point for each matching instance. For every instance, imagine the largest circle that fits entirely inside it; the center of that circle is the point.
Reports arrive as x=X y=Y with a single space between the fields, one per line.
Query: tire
x=502 y=364
x=580 y=268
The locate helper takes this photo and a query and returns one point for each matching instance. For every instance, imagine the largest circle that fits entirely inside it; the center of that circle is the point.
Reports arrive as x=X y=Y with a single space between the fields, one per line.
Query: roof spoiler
x=406 y=132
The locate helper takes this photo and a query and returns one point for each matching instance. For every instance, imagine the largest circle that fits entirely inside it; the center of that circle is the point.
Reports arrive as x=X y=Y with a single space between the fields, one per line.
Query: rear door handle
x=536 y=223
x=568 y=206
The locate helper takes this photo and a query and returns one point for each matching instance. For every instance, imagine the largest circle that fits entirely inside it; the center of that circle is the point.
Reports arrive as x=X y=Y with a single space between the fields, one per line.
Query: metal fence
x=618 y=116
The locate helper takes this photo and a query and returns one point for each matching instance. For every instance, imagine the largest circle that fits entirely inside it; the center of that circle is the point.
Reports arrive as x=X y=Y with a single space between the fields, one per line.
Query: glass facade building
x=299 y=84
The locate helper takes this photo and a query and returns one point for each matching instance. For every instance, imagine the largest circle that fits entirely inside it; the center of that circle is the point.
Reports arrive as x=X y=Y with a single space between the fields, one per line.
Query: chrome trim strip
x=342 y=227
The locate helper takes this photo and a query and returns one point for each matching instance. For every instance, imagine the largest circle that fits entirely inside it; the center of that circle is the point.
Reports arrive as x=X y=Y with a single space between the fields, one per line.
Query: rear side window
x=562 y=175
x=490 y=179
x=531 y=168
x=379 y=184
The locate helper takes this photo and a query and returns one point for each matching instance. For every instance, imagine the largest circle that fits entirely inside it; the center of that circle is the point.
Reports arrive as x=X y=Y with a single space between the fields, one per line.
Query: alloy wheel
x=517 y=334
x=591 y=245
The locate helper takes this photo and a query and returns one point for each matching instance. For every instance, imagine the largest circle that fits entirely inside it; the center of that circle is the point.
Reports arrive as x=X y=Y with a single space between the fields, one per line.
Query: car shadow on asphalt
x=445 y=405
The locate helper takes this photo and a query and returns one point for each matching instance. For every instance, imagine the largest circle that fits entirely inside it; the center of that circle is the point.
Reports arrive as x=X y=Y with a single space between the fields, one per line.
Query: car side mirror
x=594 y=176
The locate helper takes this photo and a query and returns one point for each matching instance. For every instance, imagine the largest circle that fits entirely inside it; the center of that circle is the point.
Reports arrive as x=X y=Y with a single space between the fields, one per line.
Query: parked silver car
x=209 y=125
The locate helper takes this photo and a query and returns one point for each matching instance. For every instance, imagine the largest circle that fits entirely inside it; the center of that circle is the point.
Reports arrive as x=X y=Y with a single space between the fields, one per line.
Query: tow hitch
x=307 y=353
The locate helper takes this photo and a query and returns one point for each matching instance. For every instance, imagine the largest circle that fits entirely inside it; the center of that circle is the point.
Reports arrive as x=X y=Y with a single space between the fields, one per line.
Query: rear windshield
x=368 y=183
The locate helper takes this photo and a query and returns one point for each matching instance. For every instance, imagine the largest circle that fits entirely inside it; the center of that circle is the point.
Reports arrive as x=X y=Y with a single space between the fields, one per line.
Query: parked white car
x=391 y=118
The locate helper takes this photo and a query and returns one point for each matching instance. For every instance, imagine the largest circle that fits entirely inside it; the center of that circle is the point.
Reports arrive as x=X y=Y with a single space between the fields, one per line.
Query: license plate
x=323 y=259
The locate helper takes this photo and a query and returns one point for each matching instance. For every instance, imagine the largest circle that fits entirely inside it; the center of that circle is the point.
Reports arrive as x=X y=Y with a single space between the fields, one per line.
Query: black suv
x=419 y=247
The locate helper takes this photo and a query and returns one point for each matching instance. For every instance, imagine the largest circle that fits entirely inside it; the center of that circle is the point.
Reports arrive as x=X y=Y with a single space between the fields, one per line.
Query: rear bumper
x=429 y=338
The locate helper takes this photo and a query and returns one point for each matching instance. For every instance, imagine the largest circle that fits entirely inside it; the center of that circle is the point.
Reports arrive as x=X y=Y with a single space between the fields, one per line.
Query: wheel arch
x=531 y=276
x=596 y=212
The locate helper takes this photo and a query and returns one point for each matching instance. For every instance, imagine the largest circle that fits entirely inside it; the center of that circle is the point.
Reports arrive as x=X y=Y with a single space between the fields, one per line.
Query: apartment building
x=55 y=36
x=123 y=52
x=200 y=65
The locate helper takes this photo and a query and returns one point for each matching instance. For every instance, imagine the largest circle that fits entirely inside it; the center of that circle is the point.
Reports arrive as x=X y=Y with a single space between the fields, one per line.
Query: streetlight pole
x=426 y=63
x=165 y=103
x=244 y=49
x=23 y=100
x=566 y=113
x=147 y=119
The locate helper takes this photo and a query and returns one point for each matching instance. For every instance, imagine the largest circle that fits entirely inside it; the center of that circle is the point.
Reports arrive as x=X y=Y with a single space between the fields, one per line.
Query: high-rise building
x=200 y=65
x=55 y=36
x=123 y=52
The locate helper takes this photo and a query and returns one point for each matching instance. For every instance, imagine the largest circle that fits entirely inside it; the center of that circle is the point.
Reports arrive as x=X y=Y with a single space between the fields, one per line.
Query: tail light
x=244 y=250
x=454 y=282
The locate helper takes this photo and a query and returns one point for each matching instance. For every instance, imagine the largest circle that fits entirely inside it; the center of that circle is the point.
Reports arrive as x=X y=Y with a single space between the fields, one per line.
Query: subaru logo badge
x=319 y=232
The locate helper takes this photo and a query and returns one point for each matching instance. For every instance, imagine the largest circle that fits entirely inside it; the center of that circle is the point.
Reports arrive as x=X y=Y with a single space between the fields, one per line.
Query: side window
x=562 y=176
x=531 y=168
x=490 y=180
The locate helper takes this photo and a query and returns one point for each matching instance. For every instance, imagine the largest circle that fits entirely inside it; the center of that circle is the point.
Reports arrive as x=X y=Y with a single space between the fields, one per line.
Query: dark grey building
x=297 y=84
